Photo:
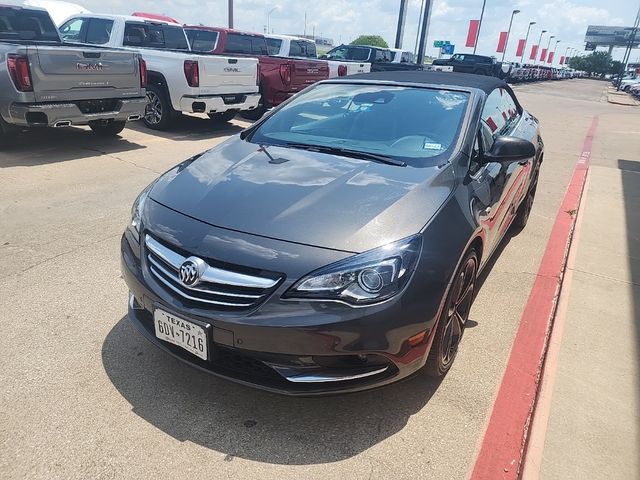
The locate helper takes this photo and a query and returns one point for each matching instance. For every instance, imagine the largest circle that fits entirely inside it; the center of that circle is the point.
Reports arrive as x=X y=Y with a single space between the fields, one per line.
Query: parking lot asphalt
x=83 y=395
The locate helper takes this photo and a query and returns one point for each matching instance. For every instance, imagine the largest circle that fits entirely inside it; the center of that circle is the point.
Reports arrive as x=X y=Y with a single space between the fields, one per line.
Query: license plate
x=181 y=332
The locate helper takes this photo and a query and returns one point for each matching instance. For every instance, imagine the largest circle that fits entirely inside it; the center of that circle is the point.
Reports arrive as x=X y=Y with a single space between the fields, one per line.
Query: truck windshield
x=154 y=35
x=25 y=24
x=408 y=124
x=358 y=54
x=202 y=40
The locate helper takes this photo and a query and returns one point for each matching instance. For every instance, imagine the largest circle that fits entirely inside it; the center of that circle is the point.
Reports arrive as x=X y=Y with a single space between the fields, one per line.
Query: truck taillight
x=143 y=72
x=258 y=74
x=18 y=66
x=192 y=73
x=285 y=73
x=342 y=70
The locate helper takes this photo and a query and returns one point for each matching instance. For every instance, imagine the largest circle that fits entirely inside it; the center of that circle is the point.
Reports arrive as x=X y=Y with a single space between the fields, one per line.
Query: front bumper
x=71 y=113
x=322 y=352
x=219 y=103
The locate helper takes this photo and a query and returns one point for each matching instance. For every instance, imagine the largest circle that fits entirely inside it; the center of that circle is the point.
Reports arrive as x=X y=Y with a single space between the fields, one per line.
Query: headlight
x=366 y=278
x=136 y=212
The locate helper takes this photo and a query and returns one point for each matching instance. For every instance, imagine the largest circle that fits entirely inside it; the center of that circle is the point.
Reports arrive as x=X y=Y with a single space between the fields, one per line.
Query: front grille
x=237 y=363
x=98 y=106
x=217 y=287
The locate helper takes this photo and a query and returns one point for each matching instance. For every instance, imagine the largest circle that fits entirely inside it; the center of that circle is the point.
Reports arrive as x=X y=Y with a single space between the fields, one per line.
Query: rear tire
x=224 y=116
x=258 y=112
x=454 y=316
x=159 y=113
x=108 y=129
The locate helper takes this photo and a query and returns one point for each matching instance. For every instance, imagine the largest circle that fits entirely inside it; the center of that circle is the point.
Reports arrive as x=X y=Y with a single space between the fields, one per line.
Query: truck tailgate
x=83 y=73
x=220 y=75
x=305 y=72
x=353 y=68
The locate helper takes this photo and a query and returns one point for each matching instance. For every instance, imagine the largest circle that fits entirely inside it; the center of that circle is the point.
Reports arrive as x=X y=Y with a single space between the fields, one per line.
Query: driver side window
x=482 y=144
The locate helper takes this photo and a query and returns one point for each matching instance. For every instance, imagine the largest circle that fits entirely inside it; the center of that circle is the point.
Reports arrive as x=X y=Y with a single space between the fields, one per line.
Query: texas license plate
x=181 y=332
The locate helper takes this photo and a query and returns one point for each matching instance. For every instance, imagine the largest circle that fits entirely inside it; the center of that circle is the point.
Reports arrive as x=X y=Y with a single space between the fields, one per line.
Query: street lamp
x=554 y=51
x=509 y=33
x=548 y=45
x=525 y=41
x=269 y=17
x=535 y=60
x=475 y=44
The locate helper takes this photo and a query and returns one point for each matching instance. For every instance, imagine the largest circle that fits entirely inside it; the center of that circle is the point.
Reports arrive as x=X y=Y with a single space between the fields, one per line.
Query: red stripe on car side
x=503 y=445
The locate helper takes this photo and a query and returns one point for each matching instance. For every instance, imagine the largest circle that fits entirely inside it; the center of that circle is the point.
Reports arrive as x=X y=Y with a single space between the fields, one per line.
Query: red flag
x=472 y=36
x=543 y=55
x=520 y=49
x=502 y=42
x=534 y=52
x=562 y=60
x=551 y=57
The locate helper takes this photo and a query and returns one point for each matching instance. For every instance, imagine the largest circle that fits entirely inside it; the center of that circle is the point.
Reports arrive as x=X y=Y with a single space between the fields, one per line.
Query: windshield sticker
x=432 y=146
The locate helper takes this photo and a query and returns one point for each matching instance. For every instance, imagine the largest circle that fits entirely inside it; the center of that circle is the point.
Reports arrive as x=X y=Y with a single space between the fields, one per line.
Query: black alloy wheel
x=454 y=317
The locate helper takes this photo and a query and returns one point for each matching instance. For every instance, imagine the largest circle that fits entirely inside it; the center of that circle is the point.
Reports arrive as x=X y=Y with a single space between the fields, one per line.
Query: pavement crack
x=606 y=277
x=46 y=260
x=115 y=157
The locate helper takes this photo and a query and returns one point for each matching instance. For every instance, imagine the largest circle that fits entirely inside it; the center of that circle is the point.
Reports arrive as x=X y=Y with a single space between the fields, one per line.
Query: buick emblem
x=191 y=270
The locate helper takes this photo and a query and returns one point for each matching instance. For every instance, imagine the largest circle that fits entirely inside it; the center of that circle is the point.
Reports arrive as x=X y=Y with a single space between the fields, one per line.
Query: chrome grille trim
x=216 y=287
x=173 y=277
x=211 y=274
x=195 y=299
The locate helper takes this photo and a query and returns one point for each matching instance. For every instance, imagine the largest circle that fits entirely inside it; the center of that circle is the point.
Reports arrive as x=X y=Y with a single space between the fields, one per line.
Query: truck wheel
x=223 y=116
x=257 y=112
x=5 y=133
x=110 y=128
x=158 y=114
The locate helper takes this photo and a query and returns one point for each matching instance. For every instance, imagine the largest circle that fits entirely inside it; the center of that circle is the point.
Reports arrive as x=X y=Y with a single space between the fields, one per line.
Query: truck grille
x=98 y=106
x=217 y=287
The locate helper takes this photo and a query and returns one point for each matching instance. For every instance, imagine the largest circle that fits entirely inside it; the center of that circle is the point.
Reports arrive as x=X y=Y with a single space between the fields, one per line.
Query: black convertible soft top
x=467 y=80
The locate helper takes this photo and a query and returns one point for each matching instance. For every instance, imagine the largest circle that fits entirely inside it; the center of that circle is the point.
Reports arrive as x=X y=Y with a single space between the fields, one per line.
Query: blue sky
x=343 y=20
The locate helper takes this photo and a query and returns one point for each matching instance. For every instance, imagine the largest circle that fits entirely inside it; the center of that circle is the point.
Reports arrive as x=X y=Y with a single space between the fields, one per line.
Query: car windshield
x=409 y=124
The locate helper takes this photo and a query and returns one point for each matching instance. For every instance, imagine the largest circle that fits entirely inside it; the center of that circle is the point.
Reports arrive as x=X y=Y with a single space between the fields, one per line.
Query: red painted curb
x=503 y=446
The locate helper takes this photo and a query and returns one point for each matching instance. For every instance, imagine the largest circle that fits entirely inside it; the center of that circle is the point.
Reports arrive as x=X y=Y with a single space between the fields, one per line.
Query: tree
x=371 y=40
x=597 y=62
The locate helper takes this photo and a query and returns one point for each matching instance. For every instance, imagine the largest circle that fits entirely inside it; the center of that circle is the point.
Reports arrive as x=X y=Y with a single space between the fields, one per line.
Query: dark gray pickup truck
x=44 y=82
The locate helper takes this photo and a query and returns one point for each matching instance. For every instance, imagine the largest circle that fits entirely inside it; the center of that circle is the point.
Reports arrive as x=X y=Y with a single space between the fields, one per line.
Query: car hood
x=305 y=197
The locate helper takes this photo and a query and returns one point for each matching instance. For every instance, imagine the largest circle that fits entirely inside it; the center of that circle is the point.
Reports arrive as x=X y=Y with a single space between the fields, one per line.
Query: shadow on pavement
x=189 y=128
x=40 y=146
x=242 y=422
x=630 y=172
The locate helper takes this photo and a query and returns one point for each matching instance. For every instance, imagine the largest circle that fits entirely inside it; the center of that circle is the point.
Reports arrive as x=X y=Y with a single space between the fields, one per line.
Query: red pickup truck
x=279 y=78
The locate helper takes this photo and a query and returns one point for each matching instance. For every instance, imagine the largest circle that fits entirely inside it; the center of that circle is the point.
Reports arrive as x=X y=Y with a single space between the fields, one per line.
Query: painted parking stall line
x=503 y=446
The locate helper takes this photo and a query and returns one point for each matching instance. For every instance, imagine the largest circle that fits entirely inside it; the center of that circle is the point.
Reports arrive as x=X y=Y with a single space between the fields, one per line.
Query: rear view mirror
x=510 y=149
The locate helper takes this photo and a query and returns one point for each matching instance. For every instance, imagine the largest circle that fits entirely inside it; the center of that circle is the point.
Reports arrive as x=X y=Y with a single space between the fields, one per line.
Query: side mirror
x=510 y=149
x=323 y=57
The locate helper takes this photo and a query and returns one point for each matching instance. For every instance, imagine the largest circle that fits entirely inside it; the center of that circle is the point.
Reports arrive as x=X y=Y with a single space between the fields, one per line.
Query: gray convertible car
x=334 y=245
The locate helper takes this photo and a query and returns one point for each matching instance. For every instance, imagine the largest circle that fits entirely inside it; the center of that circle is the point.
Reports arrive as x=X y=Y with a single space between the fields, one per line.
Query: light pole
x=506 y=43
x=535 y=59
x=475 y=44
x=548 y=45
x=230 y=13
x=269 y=17
x=525 y=41
x=566 y=55
x=554 y=52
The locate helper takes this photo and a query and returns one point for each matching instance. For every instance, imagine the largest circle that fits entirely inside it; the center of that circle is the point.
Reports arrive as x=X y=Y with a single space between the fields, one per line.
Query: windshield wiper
x=347 y=153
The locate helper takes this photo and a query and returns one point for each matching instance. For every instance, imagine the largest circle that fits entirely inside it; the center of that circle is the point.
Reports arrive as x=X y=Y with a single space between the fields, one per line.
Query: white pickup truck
x=297 y=47
x=178 y=79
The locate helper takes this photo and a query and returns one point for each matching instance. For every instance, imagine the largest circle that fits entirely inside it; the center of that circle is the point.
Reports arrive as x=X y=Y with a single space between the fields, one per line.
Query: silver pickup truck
x=44 y=82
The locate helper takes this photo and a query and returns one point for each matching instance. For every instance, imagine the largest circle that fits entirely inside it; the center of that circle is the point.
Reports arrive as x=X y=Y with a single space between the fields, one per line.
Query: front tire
x=110 y=128
x=524 y=210
x=454 y=316
x=158 y=113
